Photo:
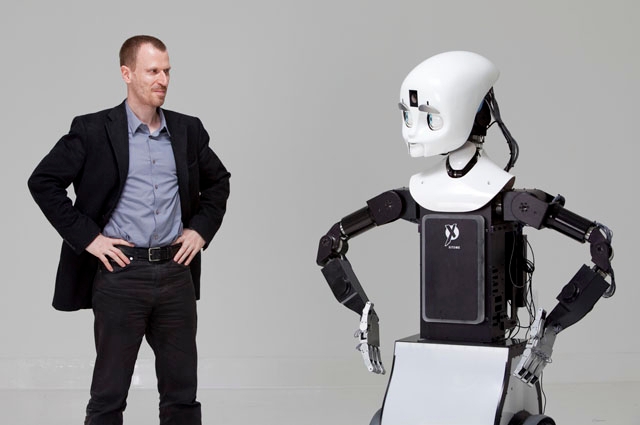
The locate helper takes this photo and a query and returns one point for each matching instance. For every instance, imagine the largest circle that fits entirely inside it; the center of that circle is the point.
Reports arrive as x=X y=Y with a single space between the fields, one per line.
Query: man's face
x=148 y=81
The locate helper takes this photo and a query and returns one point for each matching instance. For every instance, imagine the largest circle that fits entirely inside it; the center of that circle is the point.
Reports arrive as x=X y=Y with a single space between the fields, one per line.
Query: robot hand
x=537 y=352
x=369 y=337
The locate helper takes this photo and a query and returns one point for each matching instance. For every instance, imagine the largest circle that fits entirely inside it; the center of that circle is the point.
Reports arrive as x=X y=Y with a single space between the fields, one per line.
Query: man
x=150 y=195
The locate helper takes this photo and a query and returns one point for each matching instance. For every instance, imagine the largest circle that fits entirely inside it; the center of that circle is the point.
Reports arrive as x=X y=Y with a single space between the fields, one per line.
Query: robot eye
x=434 y=121
x=406 y=115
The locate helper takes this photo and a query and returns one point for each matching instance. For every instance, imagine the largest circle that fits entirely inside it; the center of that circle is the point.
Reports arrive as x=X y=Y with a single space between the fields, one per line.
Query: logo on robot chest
x=451 y=233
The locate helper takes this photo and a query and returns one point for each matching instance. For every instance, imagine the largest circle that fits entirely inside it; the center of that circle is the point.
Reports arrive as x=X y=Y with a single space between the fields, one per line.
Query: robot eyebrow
x=403 y=107
x=427 y=108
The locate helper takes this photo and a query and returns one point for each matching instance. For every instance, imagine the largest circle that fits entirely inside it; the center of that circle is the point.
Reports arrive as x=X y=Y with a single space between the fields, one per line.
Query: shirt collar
x=134 y=123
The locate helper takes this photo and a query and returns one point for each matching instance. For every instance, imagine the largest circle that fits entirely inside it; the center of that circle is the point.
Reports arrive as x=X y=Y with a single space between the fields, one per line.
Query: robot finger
x=519 y=370
x=539 y=367
x=375 y=358
x=534 y=369
x=379 y=361
x=525 y=361
x=532 y=361
x=527 y=377
x=372 y=358
x=364 y=350
x=523 y=371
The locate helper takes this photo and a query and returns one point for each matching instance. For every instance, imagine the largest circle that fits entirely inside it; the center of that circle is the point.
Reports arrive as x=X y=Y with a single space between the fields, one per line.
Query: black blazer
x=94 y=157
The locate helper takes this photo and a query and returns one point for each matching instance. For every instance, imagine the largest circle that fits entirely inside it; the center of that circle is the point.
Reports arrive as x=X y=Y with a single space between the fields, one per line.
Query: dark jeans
x=157 y=301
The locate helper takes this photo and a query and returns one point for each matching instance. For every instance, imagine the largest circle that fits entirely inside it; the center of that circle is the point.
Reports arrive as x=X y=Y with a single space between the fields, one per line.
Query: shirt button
x=153 y=162
x=157 y=212
x=156 y=187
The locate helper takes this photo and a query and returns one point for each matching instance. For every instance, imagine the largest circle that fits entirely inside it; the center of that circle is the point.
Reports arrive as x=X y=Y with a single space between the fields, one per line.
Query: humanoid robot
x=464 y=367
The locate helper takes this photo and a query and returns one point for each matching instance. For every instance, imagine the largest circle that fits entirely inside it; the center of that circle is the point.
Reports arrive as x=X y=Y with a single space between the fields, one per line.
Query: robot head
x=440 y=98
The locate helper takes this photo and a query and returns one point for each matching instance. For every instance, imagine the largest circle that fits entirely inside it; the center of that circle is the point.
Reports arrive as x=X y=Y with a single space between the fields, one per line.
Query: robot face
x=439 y=100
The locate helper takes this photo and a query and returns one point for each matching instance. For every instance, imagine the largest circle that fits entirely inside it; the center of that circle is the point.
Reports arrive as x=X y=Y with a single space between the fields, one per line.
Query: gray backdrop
x=300 y=100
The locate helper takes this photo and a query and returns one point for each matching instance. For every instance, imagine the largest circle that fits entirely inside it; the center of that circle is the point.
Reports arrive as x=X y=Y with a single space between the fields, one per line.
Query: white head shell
x=439 y=100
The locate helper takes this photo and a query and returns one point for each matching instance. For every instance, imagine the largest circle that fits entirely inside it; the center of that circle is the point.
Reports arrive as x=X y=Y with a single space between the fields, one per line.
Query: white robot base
x=458 y=384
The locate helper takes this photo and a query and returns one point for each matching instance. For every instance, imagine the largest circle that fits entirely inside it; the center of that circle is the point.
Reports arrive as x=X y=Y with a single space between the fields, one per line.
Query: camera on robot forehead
x=439 y=100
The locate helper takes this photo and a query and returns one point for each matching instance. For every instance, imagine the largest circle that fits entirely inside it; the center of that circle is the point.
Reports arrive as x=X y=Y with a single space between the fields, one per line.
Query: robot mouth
x=415 y=149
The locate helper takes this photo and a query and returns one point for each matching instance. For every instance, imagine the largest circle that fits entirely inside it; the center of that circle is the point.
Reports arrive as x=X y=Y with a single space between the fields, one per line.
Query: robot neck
x=462 y=160
x=465 y=181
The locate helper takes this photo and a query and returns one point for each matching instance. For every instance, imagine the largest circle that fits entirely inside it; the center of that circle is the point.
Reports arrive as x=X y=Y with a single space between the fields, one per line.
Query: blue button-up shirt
x=148 y=212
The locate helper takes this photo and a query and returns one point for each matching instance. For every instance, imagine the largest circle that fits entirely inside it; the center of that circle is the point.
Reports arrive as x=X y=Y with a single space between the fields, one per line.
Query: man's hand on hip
x=192 y=243
x=104 y=248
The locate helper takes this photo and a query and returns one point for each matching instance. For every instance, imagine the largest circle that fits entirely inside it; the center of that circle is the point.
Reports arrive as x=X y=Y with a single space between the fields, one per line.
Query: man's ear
x=126 y=73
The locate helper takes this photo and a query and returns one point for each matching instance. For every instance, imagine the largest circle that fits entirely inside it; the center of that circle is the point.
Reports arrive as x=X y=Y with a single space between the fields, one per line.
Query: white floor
x=575 y=404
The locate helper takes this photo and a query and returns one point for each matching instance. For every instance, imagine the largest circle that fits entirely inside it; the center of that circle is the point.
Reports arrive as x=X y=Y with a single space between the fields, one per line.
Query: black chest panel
x=471 y=275
x=453 y=268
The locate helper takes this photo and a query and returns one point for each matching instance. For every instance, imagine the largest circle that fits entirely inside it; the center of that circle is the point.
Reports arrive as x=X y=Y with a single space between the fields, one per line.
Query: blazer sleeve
x=213 y=187
x=49 y=182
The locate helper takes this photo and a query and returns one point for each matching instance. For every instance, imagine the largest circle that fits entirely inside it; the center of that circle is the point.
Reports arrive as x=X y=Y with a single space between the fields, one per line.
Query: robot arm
x=577 y=298
x=347 y=289
x=337 y=270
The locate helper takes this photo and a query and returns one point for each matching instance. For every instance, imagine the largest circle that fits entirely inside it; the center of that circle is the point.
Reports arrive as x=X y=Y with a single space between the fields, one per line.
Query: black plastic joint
x=385 y=208
x=525 y=208
x=601 y=251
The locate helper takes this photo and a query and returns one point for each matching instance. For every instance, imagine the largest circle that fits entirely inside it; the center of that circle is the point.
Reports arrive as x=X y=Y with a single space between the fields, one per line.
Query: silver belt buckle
x=151 y=251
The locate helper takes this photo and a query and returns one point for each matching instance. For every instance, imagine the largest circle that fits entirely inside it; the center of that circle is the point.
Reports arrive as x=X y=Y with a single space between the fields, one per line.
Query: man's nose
x=163 y=78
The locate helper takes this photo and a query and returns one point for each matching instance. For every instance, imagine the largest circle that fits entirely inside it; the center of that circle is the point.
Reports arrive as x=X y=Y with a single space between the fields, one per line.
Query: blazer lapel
x=118 y=133
x=178 y=132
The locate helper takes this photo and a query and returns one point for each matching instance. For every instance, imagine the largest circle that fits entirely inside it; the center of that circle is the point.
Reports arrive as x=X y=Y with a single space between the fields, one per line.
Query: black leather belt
x=160 y=253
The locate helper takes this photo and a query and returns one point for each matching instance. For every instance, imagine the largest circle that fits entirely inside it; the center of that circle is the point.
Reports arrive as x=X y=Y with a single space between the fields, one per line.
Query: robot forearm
x=344 y=284
x=578 y=297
